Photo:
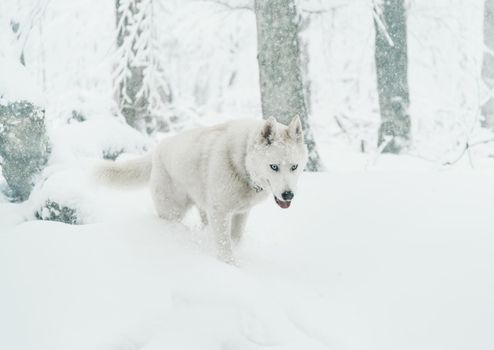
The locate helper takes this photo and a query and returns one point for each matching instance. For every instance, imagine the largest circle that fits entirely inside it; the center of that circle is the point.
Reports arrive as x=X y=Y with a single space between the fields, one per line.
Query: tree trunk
x=278 y=47
x=488 y=63
x=392 y=75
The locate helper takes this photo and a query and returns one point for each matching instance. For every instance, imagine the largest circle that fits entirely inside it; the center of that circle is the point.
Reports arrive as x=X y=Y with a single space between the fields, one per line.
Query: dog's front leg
x=238 y=225
x=221 y=224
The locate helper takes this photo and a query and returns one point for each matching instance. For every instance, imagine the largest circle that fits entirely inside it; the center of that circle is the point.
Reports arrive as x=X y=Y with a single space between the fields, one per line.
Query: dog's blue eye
x=294 y=167
x=274 y=167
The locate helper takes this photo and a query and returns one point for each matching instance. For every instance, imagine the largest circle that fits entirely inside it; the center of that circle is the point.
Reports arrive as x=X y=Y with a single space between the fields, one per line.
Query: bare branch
x=227 y=5
x=466 y=149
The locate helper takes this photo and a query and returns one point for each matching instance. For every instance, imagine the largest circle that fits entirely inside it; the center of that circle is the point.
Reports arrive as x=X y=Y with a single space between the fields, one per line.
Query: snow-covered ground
x=378 y=259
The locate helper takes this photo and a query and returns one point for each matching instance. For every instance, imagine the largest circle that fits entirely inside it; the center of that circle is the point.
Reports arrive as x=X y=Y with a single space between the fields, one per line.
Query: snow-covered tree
x=280 y=71
x=142 y=92
x=392 y=74
x=488 y=63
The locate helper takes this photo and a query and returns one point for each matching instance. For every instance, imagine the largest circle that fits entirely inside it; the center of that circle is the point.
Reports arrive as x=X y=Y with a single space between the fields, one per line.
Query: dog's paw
x=227 y=258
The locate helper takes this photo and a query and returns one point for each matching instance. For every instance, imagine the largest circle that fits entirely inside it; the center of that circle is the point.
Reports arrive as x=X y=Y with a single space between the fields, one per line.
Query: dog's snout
x=287 y=195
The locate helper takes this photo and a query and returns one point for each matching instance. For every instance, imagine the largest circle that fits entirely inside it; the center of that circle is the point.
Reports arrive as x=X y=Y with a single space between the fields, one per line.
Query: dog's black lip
x=281 y=203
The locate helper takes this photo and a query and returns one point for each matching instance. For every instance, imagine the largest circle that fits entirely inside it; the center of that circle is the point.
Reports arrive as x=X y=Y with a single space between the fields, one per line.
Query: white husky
x=224 y=170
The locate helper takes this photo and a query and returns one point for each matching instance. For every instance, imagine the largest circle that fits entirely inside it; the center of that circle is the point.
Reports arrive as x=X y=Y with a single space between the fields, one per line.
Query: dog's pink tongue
x=282 y=204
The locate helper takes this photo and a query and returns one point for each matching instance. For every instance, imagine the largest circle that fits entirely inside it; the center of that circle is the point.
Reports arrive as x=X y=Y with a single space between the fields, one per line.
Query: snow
x=379 y=252
x=94 y=138
x=16 y=84
x=378 y=259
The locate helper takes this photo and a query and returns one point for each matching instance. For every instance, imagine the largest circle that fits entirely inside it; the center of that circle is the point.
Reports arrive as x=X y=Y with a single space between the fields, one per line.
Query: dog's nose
x=287 y=195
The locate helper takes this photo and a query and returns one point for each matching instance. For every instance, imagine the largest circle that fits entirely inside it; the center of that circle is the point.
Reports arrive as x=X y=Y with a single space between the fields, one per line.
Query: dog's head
x=277 y=157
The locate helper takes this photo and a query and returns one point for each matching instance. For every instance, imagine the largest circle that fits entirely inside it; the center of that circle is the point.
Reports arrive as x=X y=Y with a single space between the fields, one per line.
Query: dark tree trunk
x=392 y=76
x=281 y=80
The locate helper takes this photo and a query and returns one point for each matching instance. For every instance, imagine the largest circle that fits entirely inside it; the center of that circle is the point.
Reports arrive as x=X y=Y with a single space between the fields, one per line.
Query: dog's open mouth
x=282 y=204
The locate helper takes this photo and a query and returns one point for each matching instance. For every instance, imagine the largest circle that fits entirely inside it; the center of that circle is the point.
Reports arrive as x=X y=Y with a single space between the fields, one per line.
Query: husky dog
x=224 y=170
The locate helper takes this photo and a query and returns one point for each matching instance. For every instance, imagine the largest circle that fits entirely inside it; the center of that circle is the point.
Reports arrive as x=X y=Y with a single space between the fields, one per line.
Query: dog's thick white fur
x=224 y=170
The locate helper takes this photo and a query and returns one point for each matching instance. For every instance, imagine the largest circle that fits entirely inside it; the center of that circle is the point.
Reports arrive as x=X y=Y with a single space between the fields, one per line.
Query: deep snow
x=362 y=260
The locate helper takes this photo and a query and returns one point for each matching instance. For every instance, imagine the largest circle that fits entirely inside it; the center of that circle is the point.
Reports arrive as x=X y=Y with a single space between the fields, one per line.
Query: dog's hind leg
x=204 y=217
x=238 y=225
x=170 y=202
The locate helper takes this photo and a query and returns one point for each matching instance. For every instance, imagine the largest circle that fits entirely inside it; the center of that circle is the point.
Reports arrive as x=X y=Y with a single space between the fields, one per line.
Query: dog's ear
x=295 y=129
x=268 y=130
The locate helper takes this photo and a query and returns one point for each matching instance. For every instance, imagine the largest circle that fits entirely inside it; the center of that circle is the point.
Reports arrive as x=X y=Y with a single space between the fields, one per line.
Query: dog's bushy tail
x=131 y=172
